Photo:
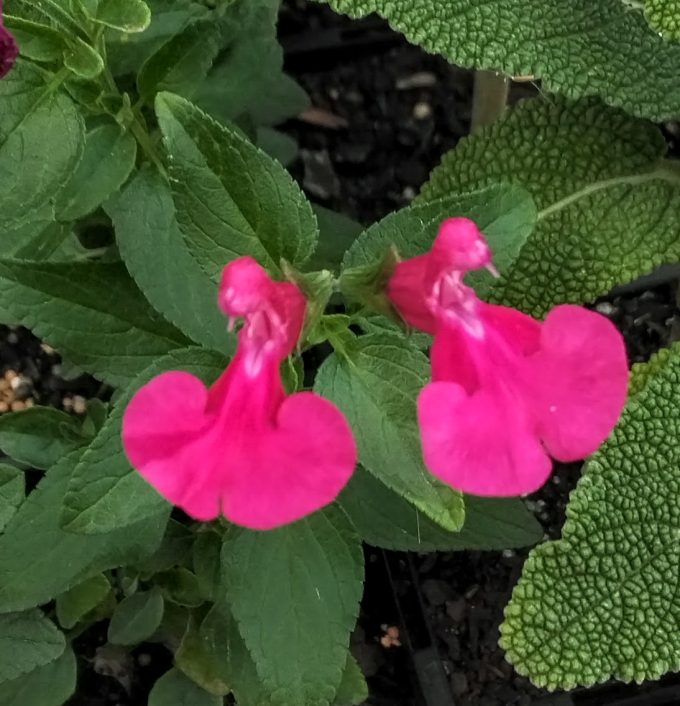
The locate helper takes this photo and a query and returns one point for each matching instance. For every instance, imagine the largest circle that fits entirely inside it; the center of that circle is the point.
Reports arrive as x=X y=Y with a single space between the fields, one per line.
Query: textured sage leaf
x=77 y=602
x=664 y=17
x=104 y=491
x=125 y=15
x=602 y=601
x=505 y=214
x=608 y=205
x=385 y=519
x=12 y=490
x=107 y=162
x=175 y=689
x=41 y=140
x=136 y=618
x=40 y=436
x=39 y=561
x=375 y=384
x=50 y=685
x=157 y=257
x=91 y=312
x=27 y=640
x=231 y=198
x=574 y=46
x=294 y=593
x=353 y=689
x=181 y=64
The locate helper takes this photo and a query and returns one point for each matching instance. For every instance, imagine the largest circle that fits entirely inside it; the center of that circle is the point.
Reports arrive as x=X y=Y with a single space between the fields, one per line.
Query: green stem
x=490 y=98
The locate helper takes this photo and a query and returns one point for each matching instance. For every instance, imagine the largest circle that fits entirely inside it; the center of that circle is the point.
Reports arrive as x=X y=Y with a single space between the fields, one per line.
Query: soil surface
x=384 y=113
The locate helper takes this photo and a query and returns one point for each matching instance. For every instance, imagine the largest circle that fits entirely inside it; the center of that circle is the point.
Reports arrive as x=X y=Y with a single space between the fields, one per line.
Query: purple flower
x=8 y=48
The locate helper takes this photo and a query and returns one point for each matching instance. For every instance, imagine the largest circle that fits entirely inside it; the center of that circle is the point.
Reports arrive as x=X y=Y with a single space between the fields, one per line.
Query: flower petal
x=520 y=330
x=481 y=443
x=579 y=381
x=406 y=290
x=173 y=444
x=295 y=469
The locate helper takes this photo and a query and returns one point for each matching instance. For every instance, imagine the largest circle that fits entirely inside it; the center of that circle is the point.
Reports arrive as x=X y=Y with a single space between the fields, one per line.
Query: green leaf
x=12 y=491
x=608 y=206
x=77 y=602
x=574 y=47
x=231 y=198
x=353 y=688
x=41 y=140
x=294 y=593
x=175 y=550
x=505 y=215
x=39 y=436
x=602 y=601
x=90 y=312
x=180 y=586
x=664 y=17
x=277 y=144
x=375 y=384
x=174 y=689
x=182 y=63
x=136 y=618
x=106 y=164
x=50 y=685
x=27 y=640
x=385 y=519
x=38 y=560
x=80 y=58
x=105 y=492
x=125 y=15
x=156 y=255
x=196 y=659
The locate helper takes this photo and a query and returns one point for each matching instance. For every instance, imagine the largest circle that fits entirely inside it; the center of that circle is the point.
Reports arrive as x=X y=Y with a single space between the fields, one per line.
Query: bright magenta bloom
x=8 y=48
x=243 y=448
x=506 y=390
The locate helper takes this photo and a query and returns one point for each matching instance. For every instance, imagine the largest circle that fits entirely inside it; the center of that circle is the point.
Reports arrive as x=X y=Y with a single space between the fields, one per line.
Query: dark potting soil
x=385 y=112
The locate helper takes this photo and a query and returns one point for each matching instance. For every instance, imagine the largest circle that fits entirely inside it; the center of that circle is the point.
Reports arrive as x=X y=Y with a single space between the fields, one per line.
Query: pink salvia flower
x=507 y=391
x=8 y=48
x=243 y=448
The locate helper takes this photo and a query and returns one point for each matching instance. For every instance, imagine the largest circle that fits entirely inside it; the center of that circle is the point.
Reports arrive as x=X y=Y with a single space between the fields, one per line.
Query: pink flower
x=506 y=390
x=243 y=448
x=8 y=48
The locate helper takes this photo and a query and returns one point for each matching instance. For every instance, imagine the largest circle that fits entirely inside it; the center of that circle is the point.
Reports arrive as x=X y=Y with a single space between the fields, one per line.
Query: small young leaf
x=231 y=198
x=125 y=15
x=50 y=685
x=136 y=618
x=105 y=493
x=294 y=592
x=375 y=384
x=40 y=436
x=27 y=640
x=82 y=59
x=156 y=254
x=385 y=519
x=108 y=159
x=91 y=312
x=12 y=490
x=77 y=602
x=180 y=586
x=174 y=689
x=207 y=549
x=175 y=550
x=38 y=560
